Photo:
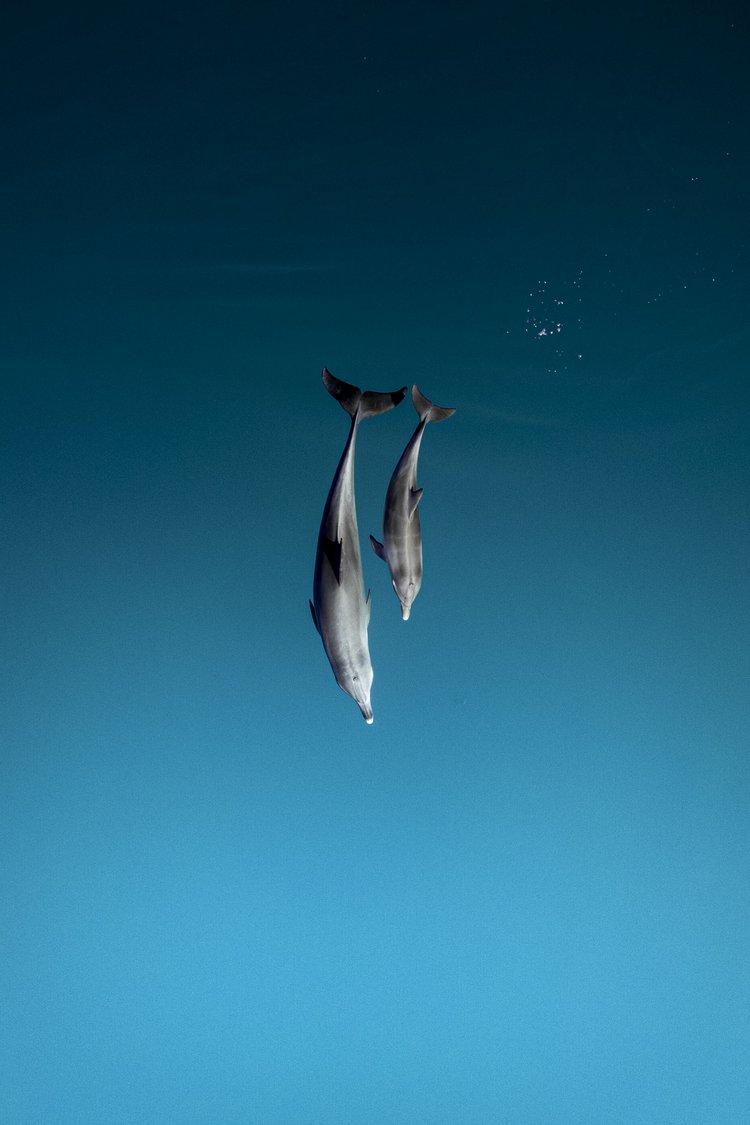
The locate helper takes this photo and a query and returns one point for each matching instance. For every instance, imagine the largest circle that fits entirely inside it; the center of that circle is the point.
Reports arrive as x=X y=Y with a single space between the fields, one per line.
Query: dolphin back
x=427 y=410
x=361 y=404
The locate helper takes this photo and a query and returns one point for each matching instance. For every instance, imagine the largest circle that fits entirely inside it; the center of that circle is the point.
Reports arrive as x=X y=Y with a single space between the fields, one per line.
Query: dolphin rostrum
x=340 y=611
x=401 y=548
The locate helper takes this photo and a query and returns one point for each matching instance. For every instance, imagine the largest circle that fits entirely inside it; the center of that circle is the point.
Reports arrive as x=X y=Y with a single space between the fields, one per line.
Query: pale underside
x=340 y=610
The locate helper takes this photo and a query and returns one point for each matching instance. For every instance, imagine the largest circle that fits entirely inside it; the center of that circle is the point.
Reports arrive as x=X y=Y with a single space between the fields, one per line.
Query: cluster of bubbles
x=553 y=319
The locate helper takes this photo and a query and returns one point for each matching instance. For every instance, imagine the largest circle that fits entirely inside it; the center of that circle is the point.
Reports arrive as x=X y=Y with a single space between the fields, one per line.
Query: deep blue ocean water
x=523 y=894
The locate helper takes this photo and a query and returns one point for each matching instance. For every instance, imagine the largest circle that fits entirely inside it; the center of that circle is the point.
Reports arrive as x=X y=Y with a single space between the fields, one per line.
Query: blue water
x=523 y=894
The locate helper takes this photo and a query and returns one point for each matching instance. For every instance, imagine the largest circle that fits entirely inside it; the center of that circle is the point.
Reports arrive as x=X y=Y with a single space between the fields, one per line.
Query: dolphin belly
x=340 y=611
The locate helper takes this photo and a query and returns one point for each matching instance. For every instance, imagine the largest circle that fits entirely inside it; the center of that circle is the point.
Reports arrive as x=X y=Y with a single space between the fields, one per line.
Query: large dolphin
x=339 y=608
x=401 y=548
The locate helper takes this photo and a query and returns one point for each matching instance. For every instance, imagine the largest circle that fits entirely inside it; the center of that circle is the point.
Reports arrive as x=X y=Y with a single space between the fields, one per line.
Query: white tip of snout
x=367 y=714
x=370 y=720
x=405 y=611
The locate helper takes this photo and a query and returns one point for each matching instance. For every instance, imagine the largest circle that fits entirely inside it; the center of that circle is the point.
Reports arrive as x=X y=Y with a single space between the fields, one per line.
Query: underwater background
x=523 y=894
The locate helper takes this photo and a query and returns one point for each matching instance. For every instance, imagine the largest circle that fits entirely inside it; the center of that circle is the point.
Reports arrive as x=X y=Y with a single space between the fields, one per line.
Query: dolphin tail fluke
x=377 y=402
x=427 y=410
x=363 y=404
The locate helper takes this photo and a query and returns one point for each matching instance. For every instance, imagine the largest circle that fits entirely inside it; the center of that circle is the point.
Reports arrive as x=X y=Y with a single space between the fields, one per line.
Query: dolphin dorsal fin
x=378 y=548
x=314 y=617
x=415 y=495
x=332 y=550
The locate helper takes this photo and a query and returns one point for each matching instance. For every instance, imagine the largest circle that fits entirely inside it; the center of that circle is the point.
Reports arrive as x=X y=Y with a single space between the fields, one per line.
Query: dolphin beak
x=366 y=710
x=405 y=611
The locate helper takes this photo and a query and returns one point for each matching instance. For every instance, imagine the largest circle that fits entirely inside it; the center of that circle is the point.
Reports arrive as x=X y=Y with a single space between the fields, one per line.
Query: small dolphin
x=402 y=535
x=340 y=611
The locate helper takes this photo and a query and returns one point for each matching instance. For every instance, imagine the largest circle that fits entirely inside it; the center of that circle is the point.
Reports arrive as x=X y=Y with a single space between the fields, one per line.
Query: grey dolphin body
x=401 y=548
x=340 y=611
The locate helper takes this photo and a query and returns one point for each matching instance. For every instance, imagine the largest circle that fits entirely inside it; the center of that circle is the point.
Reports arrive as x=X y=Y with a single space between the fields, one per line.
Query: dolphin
x=401 y=548
x=340 y=611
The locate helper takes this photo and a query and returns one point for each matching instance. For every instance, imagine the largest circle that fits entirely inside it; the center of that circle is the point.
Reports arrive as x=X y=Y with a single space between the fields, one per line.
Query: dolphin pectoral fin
x=333 y=554
x=378 y=548
x=368 y=605
x=415 y=495
x=314 y=617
